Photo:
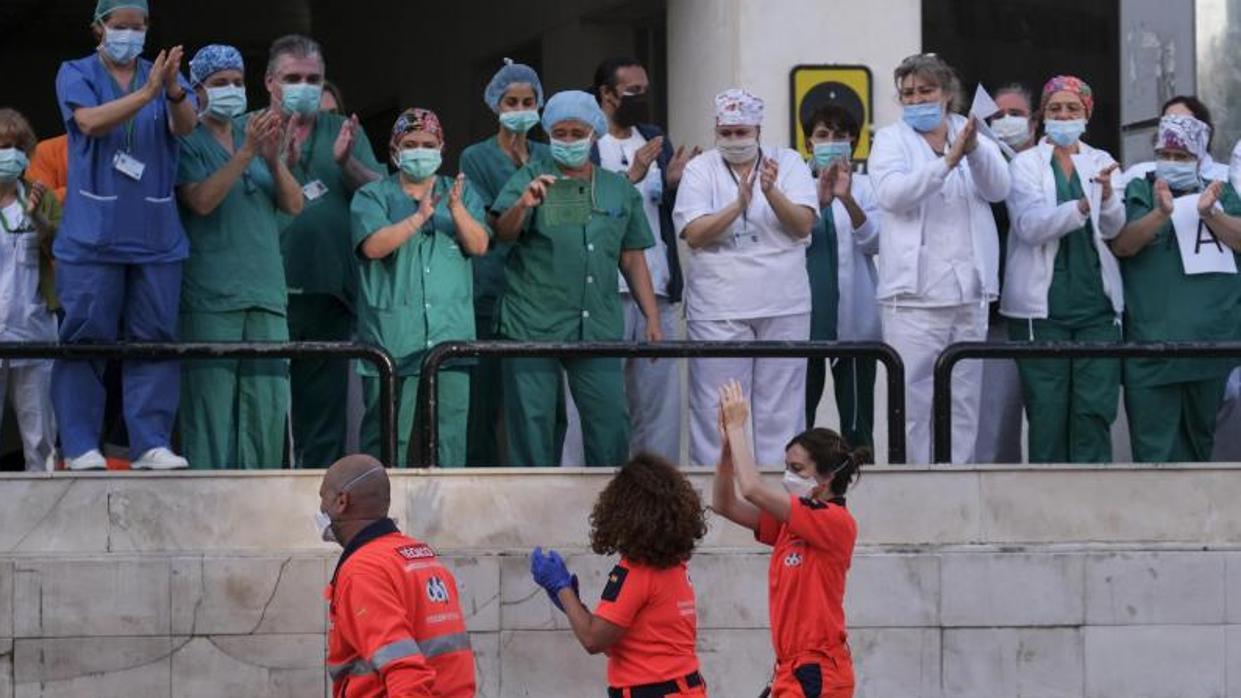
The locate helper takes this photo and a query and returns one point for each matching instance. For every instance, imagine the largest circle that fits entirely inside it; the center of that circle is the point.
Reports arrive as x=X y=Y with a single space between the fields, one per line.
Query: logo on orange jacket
x=437 y=591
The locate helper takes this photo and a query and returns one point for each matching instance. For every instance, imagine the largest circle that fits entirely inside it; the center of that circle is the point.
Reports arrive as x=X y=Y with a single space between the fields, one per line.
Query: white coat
x=857 y=315
x=906 y=173
x=1037 y=223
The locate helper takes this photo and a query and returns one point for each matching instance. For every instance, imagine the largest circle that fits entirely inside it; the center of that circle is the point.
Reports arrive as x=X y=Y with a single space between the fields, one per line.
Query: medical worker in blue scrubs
x=121 y=245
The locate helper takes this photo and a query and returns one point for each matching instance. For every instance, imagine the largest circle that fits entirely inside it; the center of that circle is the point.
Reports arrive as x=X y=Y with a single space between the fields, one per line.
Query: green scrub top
x=489 y=168
x=235 y=262
x=420 y=294
x=822 y=264
x=317 y=252
x=1162 y=303
x=1076 y=298
x=562 y=281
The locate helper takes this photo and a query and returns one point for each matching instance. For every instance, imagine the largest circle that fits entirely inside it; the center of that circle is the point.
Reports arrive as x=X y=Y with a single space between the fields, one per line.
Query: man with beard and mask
x=395 y=622
x=747 y=213
x=999 y=413
x=640 y=151
x=331 y=158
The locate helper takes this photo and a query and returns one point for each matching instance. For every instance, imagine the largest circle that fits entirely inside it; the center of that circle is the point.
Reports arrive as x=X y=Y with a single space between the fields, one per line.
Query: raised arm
x=736 y=416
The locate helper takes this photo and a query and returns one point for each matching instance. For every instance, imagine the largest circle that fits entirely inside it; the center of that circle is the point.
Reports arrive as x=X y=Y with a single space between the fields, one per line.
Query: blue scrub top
x=110 y=218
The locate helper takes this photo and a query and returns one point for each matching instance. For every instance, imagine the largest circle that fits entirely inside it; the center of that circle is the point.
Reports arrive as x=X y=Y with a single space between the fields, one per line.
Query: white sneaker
x=160 y=459
x=91 y=460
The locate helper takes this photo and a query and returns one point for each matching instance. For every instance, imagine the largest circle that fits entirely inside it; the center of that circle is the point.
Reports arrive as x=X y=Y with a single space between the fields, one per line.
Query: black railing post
x=954 y=353
x=170 y=351
x=428 y=388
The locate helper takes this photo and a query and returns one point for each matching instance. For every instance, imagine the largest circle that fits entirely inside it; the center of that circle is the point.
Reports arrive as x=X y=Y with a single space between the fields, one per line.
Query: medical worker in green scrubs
x=515 y=95
x=562 y=286
x=331 y=158
x=1062 y=282
x=1172 y=404
x=231 y=182
x=414 y=233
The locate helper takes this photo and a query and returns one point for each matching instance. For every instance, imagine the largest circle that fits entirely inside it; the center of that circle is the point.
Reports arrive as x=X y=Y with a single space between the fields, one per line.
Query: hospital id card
x=128 y=165
x=313 y=191
x=568 y=202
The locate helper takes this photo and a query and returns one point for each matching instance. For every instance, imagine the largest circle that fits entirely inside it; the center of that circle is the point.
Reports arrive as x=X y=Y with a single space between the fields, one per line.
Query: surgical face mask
x=797 y=485
x=1064 y=133
x=419 y=163
x=323 y=524
x=571 y=153
x=923 y=117
x=13 y=163
x=301 y=98
x=1013 y=130
x=827 y=152
x=123 y=45
x=519 y=121
x=1180 y=176
x=738 y=151
x=226 y=101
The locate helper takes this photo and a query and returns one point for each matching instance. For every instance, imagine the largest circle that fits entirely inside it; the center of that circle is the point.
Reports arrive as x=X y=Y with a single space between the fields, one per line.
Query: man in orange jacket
x=396 y=628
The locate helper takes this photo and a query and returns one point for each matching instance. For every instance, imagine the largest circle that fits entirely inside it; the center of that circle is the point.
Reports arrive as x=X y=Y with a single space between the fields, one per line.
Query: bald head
x=362 y=482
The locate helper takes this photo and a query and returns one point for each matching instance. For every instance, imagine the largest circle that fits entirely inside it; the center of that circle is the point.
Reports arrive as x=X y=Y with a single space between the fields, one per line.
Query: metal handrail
x=428 y=387
x=941 y=408
x=158 y=351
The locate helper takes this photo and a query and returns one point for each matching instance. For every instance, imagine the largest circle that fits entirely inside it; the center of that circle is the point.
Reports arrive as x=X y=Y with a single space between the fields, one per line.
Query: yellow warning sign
x=815 y=86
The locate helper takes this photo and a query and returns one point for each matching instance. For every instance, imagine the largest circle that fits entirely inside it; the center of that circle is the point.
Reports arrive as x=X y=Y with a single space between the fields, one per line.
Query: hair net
x=212 y=59
x=1068 y=83
x=105 y=7
x=575 y=105
x=1184 y=133
x=511 y=74
x=736 y=107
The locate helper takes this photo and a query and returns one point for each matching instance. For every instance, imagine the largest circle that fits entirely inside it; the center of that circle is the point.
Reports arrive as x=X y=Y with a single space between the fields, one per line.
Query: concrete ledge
x=489 y=509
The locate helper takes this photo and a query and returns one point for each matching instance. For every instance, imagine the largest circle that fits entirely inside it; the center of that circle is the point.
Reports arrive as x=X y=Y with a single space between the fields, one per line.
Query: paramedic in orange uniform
x=646 y=621
x=812 y=534
x=396 y=628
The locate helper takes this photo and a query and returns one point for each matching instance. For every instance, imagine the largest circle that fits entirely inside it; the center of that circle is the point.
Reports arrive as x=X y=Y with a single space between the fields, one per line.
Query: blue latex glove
x=552 y=574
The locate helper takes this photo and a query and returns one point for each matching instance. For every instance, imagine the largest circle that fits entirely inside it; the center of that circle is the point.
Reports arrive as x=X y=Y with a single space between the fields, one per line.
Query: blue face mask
x=828 y=151
x=571 y=153
x=226 y=101
x=519 y=121
x=123 y=45
x=923 y=117
x=1064 y=133
x=301 y=98
x=13 y=163
x=1180 y=176
x=419 y=163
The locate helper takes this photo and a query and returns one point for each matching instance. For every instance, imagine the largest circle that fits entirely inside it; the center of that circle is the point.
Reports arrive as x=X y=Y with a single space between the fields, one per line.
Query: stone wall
x=1110 y=582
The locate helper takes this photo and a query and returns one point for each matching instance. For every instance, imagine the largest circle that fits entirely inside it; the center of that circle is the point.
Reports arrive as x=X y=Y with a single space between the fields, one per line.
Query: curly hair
x=649 y=513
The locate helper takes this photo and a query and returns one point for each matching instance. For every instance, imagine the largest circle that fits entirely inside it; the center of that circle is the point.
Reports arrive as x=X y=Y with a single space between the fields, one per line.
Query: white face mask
x=797 y=485
x=323 y=524
x=1012 y=129
x=738 y=151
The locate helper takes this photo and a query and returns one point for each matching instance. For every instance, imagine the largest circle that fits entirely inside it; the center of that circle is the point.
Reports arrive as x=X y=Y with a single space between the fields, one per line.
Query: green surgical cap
x=105 y=7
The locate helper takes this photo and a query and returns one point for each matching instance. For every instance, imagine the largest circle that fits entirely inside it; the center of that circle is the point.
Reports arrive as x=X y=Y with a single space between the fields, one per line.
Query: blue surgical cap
x=105 y=7
x=511 y=74
x=575 y=105
x=212 y=59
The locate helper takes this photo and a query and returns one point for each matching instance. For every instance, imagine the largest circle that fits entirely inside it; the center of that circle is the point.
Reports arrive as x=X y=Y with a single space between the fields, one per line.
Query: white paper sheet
x=1201 y=253
x=982 y=109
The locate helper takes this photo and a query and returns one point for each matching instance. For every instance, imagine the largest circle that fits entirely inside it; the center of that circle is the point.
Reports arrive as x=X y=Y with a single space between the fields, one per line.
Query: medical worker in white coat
x=746 y=213
x=935 y=180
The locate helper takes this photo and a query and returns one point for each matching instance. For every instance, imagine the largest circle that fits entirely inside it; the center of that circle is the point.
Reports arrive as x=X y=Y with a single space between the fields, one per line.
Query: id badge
x=128 y=165
x=313 y=191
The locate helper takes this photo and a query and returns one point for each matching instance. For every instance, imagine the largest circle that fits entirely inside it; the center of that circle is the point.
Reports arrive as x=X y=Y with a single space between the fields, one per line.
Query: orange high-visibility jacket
x=396 y=629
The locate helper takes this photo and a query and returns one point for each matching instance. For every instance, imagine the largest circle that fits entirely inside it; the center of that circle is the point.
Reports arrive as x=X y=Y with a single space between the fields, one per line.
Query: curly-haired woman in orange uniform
x=646 y=621
x=812 y=534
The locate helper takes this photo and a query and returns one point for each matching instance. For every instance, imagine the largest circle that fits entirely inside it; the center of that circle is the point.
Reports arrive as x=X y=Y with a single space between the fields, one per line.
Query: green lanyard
x=4 y=220
x=129 y=123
